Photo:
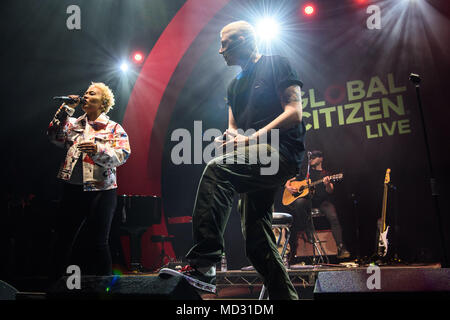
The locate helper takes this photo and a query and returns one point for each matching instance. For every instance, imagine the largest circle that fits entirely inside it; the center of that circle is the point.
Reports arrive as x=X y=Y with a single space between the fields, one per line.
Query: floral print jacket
x=113 y=147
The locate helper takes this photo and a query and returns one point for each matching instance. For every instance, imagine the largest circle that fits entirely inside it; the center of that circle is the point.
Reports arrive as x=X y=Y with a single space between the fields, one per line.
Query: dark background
x=41 y=58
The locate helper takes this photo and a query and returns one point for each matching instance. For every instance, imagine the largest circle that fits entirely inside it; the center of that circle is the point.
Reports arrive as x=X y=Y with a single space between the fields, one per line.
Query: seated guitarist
x=319 y=198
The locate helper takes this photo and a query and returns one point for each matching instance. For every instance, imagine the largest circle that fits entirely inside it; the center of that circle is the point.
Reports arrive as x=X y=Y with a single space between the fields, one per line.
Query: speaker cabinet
x=125 y=288
x=392 y=282
x=305 y=249
x=7 y=292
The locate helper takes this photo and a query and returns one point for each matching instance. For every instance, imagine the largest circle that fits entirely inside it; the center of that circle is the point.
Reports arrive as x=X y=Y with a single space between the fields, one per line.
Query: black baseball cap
x=316 y=154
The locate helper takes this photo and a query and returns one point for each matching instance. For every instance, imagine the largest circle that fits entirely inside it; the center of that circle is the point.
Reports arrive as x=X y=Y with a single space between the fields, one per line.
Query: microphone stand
x=414 y=78
x=310 y=219
x=307 y=169
x=356 y=216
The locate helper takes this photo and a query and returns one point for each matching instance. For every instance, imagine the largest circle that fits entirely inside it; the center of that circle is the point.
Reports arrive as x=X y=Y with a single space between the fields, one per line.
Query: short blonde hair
x=107 y=95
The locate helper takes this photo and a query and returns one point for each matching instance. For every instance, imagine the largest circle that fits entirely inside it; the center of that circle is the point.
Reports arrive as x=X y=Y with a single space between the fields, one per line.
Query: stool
x=282 y=221
x=317 y=244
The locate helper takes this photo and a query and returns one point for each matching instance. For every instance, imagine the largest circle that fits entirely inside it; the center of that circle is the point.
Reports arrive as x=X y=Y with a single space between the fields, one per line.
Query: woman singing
x=96 y=146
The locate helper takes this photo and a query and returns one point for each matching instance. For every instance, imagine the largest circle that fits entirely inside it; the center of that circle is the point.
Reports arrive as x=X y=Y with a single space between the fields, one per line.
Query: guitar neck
x=383 y=212
x=316 y=182
x=312 y=184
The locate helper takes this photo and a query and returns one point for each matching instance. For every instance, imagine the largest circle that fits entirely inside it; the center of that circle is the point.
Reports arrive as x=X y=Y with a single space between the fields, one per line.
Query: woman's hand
x=88 y=147
x=75 y=104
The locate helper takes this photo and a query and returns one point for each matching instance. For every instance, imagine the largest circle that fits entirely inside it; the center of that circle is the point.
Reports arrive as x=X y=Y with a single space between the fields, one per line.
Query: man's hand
x=241 y=140
x=290 y=187
x=328 y=185
x=88 y=147
x=232 y=137
x=226 y=138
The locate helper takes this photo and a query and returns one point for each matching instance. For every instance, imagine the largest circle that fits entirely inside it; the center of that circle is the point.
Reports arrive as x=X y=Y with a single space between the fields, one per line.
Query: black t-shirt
x=254 y=99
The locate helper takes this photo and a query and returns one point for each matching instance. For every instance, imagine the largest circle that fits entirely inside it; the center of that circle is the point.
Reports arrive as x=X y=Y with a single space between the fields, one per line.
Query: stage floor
x=242 y=285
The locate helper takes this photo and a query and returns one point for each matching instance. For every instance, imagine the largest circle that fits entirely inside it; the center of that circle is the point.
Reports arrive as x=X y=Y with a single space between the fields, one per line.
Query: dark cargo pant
x=213 y=205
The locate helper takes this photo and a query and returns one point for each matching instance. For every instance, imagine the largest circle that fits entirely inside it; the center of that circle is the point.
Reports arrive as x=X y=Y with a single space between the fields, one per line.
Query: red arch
x=141 y=175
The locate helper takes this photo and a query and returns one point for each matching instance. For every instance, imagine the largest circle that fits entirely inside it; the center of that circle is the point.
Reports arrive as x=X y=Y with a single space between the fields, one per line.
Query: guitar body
x=304 y=187
x=303 y=191
x=383 y=243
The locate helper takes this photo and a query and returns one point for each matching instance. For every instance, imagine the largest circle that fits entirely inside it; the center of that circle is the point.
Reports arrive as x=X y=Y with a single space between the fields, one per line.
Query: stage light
x=124 y=67
x=138 y=57
x=308 y=9
x=267 y=29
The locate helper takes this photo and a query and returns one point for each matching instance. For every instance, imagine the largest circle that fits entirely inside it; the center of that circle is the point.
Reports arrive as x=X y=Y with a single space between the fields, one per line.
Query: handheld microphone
x=69 y=100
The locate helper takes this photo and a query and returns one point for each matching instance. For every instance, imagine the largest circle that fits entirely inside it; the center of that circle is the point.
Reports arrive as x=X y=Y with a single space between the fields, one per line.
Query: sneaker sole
x=192 y=281
x=249 y=268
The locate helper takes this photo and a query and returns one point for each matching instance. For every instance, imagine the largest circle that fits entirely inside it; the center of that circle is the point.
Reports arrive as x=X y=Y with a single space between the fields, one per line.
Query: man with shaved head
x=265 y=100
x=239 y=44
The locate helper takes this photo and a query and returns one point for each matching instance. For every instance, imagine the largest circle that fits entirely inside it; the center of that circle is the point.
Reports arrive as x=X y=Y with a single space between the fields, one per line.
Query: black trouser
x=303 y=220
x=219 y=182
x=82 y=230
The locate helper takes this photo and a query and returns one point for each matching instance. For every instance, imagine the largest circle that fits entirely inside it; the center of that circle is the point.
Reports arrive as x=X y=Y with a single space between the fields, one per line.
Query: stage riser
x=126 y=288
x=391 y=284
x=7 y=292
x=395 y=283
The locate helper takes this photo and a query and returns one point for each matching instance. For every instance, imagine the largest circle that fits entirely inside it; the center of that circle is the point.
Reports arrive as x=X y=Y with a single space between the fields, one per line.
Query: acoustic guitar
x=304 y=188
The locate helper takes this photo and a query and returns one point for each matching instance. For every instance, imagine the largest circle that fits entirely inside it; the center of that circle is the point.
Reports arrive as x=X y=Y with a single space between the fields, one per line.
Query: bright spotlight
x=124 y=67
x=267 y=29
x=308 y=10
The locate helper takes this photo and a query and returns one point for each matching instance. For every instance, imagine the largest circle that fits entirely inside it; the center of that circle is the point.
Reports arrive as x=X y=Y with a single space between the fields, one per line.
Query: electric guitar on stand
x=382 y=230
